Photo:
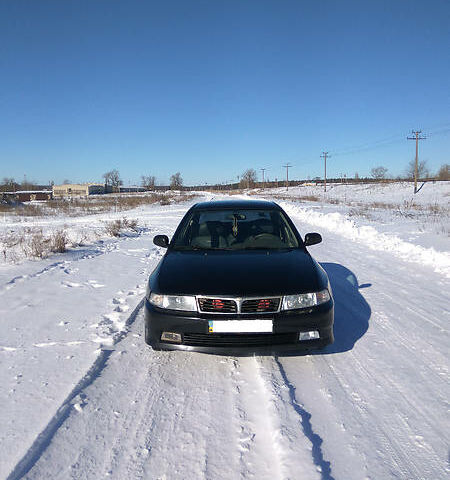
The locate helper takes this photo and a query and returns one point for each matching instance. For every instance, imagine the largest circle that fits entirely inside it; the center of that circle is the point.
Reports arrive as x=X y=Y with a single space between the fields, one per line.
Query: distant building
x=131 y=188
x=77 y=190
x=26 y=195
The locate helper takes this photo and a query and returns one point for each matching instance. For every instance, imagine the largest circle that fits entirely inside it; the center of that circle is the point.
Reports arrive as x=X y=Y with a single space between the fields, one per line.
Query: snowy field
x=421 y=219
x=83 y=397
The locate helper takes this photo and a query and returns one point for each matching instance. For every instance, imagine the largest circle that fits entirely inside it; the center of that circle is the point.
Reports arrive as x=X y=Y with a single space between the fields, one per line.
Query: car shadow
x=351 y=311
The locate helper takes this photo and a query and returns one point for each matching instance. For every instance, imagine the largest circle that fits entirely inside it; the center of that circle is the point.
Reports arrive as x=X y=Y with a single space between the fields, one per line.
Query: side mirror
x=161 y=241
x=312 y=239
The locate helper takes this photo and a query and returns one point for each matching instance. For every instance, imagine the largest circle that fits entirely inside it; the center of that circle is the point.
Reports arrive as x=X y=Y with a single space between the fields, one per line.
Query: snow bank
x=369 y=236
x=400 y=193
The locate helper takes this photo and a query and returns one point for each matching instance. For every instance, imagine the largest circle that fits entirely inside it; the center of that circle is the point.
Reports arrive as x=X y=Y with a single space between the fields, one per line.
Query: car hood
x=241 y=273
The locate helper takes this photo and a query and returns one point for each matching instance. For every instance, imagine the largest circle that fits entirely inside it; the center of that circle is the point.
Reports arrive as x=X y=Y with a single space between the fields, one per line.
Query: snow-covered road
x=83 y=397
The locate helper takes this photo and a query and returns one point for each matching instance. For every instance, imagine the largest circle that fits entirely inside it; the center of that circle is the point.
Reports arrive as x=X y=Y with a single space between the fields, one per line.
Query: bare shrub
x=435 y=209
x=59 y=241
x=131 y=224
x=84 y=238
x=360 y=212
x=38 y=244
x=114 y=228
x=383 y=205
x=310 y=198
x=12 y=242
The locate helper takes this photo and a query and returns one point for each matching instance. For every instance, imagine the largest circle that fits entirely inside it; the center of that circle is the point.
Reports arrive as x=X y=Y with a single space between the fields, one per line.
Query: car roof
x=235 y=204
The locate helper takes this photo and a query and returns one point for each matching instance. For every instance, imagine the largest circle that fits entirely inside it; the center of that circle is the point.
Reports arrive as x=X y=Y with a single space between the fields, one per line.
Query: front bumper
x=195 y=336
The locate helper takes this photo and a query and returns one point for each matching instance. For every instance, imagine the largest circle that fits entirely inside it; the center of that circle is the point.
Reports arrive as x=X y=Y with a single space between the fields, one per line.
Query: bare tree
x=422 y=169
x=148 y=181
x=8 y=184
x=444 y=172
x=112 y=178
x=176 y=181
x=66 y=182
x=248 y=178
x=378 y=173
x=26 y=184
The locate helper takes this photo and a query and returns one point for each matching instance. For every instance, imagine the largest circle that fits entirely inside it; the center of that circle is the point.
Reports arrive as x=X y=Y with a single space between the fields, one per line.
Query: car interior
x=239 y=231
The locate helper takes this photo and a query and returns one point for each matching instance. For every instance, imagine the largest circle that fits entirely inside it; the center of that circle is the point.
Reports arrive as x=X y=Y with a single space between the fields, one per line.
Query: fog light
x=312 y=335
x=171 y=337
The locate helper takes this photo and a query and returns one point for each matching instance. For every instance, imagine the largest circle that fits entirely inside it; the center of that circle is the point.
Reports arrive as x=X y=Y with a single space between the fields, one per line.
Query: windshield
x=235 y=230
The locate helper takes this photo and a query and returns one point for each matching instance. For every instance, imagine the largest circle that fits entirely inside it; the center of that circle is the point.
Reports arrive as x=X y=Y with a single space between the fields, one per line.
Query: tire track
x=323 y=466
x=272 y=429
x=44 y=438
x=256 y=433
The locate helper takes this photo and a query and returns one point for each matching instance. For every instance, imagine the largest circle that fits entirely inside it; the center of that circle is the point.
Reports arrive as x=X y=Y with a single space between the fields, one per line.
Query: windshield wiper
x=187 y=248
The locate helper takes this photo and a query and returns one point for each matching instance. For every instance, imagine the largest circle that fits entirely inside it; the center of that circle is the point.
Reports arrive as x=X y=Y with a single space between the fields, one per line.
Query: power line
x=369 y=146
x=443 y=131
x=437 y=129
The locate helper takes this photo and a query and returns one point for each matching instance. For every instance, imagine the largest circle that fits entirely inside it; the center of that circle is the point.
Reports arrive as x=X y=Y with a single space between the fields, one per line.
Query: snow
x=83 y=397
x=369 y=236
x=422 y=219
x=393 y=193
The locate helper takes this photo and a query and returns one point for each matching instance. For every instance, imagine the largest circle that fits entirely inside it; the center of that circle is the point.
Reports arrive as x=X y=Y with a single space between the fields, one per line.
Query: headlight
x=305 y=300
x=173 y=302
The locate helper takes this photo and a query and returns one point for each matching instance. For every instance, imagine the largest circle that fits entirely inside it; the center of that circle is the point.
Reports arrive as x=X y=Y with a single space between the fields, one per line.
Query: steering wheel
x=264 y=236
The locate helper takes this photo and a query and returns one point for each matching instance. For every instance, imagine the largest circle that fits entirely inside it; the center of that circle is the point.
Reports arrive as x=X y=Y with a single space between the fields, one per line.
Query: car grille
x=217 y=305
x=260 y=305
x=237 y=339
x=239 y=305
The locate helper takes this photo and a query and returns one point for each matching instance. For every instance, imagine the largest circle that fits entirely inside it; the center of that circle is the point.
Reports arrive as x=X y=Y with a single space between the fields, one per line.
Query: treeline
x=10 y=185
x=248 y=179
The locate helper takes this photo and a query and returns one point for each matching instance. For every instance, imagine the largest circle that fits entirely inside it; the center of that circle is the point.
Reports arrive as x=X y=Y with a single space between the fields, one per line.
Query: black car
x=237 y=276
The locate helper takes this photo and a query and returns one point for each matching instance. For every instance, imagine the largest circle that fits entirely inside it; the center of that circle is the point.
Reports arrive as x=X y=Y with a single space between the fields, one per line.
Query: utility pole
x=263 y=170
x=416 y=137
x=287 y=166
x=324 y=156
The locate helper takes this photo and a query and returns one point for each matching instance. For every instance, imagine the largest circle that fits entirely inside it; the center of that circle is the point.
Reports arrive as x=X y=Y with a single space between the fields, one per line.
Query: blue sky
x=211 y=88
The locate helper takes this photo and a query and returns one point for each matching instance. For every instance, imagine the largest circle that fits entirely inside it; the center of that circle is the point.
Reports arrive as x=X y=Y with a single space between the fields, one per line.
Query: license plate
x=240 y=326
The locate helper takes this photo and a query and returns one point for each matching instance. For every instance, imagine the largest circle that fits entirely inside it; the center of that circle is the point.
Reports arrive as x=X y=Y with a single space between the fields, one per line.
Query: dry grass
x=32 y=243
x=360 y=212
x=91 y=205
x=117 y=227
x=22 y=209
x=299 y=198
